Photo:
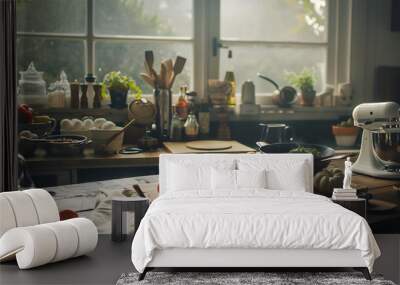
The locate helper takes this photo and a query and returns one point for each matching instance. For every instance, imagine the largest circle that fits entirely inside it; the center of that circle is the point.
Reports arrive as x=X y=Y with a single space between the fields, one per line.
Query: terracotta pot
x=345 y=136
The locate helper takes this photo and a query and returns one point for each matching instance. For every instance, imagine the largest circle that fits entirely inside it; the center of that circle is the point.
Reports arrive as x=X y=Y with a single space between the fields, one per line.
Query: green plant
x=349 y=123
x=116 y=81
x=304 y=80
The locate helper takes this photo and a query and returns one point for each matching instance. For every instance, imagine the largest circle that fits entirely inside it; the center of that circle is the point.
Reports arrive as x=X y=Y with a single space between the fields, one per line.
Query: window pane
x=273 y=62
x=129 y=58
x=144 y=18
x=274 y=20
x=51 y=56
x=51 y=16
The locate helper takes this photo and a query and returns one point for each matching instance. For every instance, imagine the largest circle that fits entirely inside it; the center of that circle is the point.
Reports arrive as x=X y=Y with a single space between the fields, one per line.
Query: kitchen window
x=99 y=36
x=267 y=36
x=273 y=37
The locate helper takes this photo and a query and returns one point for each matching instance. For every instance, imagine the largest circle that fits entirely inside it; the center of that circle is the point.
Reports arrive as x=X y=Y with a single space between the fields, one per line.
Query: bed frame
x=243 y=259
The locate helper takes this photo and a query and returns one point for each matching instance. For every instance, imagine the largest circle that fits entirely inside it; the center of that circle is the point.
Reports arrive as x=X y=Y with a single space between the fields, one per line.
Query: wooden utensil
x=119 y=132
x=178 y=67
x=163 y=76
x=149 y=80
x=147 y=68
x=170 y=69
x=149 y=57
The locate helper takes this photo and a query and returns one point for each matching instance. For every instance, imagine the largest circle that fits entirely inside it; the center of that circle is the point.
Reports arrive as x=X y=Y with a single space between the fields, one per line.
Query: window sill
x=271 y=113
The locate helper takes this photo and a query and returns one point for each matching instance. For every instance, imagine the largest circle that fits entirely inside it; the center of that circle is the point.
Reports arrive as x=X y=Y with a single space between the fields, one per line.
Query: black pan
x=320 y=162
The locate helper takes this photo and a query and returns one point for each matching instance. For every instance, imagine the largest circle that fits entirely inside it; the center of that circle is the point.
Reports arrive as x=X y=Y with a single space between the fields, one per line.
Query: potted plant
x=305 y=81
x=118 y=86
x=345 y=133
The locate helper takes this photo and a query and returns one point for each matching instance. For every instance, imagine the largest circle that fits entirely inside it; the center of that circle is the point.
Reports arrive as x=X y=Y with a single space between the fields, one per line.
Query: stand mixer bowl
x=386 y=144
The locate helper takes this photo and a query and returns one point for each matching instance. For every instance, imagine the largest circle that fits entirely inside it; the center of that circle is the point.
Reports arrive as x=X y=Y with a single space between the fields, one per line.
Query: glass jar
x=191 y=127
x=31 y=82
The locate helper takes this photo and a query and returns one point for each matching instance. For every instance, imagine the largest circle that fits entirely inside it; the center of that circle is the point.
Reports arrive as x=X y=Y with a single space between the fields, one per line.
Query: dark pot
x=308 y=97
x=118 y=98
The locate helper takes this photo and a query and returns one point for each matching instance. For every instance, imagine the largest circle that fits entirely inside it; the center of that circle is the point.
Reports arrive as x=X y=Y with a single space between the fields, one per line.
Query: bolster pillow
x=40 y=244
x=26 y=208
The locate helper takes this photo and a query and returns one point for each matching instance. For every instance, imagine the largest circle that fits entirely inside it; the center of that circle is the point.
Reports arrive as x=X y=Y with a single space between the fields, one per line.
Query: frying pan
x=320 y=162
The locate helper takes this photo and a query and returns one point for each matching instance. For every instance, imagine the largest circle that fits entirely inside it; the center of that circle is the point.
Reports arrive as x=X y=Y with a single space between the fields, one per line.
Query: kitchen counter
x=64 y=170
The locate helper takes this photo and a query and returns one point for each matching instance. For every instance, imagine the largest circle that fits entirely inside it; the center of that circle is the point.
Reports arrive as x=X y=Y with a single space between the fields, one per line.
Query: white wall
x=372 y=44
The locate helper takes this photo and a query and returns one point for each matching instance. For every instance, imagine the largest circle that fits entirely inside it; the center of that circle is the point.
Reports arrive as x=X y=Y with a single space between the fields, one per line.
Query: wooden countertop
x=90 y=160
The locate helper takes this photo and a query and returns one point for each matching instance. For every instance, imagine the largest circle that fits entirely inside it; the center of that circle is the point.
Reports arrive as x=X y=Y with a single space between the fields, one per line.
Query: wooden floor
x=103 y=266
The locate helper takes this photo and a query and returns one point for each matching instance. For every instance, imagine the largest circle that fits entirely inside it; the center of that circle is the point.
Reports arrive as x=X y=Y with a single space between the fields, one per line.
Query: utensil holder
x=163 y=103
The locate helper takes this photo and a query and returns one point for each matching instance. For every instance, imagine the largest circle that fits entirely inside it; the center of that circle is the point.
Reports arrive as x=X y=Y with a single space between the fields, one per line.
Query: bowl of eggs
x=99 y=131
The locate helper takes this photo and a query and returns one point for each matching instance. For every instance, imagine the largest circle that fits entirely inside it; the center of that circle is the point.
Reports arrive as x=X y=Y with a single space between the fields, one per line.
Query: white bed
x=194 y=224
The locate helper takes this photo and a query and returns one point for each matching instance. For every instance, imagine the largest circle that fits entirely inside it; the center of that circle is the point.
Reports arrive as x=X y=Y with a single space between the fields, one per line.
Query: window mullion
x=213 y=32
x=90 y=38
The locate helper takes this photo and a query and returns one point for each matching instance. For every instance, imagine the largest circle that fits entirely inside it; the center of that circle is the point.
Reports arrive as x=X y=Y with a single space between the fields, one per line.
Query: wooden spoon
x=178 y=67
x=119 y=132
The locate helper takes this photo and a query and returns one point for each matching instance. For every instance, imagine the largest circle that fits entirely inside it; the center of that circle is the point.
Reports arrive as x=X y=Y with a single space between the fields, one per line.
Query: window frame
x=206 y=27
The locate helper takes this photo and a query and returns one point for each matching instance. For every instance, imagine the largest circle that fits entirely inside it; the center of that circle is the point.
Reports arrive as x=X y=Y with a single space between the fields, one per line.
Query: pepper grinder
x=84 y=99
x=97 y=96
x=74 y=94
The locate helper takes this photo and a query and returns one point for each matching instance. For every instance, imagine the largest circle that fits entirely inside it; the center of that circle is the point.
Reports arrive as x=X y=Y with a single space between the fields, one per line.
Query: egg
x=66 y=124
x=108 y=125
x=98 y=123
x=77 y=124
x=88 y=124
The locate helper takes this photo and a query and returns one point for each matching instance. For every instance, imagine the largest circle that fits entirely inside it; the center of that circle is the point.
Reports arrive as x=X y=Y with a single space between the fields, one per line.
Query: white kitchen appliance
x=380 y=145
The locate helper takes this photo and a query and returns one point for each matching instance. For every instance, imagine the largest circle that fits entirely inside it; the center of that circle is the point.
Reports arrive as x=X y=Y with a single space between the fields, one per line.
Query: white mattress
x=252 y=219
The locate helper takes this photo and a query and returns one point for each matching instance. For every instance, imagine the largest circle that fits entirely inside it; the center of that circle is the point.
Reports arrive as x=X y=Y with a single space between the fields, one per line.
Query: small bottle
x=90 y=79
x=66 y=86
x=230 y=77
x=191 y=127
x=182 y=107
x=177 y=128
x=204 y=117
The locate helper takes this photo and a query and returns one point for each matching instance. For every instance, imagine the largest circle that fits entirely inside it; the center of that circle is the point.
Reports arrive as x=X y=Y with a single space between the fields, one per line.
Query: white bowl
x=100 y=137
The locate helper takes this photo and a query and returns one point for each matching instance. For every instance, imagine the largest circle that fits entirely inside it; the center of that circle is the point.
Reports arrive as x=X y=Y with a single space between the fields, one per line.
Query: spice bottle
x=182 y=107
x=230 y=77
x=177 y=128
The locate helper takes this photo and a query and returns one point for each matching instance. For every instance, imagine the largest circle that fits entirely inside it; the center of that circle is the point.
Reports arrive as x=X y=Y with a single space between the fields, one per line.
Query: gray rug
x=243 y=278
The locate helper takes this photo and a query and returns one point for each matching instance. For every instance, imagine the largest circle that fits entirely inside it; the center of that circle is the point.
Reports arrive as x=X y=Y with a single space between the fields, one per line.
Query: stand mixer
x=380 y=145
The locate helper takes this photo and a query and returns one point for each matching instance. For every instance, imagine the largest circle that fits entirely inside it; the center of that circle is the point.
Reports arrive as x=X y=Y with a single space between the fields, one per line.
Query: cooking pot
x=325 y=153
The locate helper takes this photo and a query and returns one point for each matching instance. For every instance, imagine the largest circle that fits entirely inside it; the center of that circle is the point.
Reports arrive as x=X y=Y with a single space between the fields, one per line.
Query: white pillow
x=186 y=176
x=236 y=179
x=251 y=178
x=281 y=174
x=223 y=179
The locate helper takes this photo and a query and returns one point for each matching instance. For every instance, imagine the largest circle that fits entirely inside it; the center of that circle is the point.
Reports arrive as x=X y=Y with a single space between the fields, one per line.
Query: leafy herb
x=115 y=80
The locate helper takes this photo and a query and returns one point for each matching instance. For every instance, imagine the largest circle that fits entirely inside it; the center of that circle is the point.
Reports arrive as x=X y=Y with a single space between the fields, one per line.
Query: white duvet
x=250 y=219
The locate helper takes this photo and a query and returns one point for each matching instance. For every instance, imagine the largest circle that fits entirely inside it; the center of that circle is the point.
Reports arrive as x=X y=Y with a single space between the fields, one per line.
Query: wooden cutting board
x=207 y=146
